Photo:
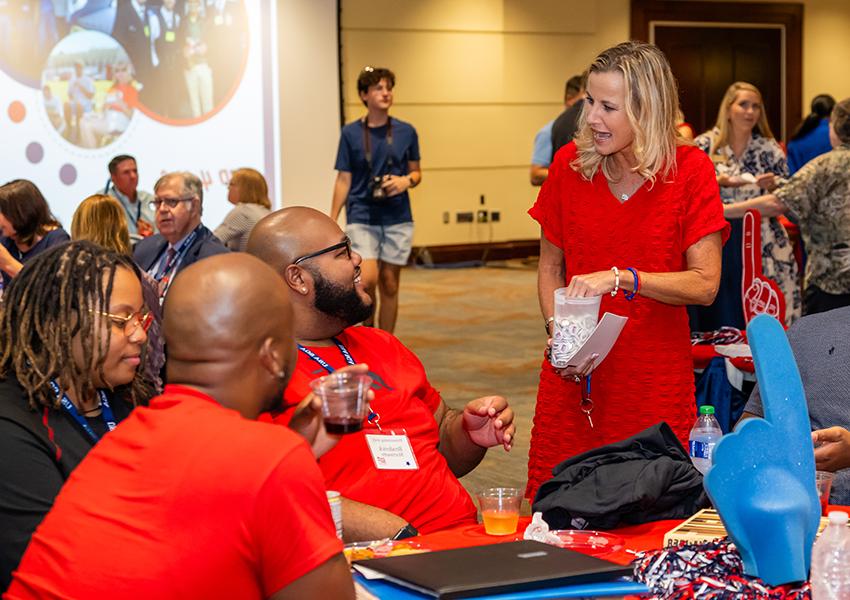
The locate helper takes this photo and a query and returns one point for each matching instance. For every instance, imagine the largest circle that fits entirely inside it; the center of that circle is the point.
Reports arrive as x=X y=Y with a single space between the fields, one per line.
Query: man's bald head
x=282 y=236
x=228 y=321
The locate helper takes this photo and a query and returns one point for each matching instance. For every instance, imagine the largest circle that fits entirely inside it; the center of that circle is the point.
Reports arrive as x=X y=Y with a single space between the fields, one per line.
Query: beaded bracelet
x=631 y=295
x=616 y=281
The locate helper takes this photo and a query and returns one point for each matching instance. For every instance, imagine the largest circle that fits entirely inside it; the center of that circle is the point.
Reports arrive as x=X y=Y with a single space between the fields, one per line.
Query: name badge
x=391 y=452
x=147 y=31
x=170 y=36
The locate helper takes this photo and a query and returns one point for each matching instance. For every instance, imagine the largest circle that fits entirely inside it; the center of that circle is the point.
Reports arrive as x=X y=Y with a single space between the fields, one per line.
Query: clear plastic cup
x=500 y=509
x=575 y=320
x=823 y=481
x=344 y=403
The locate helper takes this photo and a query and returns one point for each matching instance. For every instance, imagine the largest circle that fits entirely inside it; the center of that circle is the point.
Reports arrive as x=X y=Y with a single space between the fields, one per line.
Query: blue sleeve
x=343 y=154
x=793 y=160
x=542 y=153
x=413 y=152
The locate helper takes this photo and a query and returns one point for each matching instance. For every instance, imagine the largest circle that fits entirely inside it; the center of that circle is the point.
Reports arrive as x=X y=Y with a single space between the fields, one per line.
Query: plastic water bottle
x=704 y=436
x=830 y=576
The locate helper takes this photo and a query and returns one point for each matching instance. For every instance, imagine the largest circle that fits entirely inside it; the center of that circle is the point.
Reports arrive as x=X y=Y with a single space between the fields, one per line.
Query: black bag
x=647 y=477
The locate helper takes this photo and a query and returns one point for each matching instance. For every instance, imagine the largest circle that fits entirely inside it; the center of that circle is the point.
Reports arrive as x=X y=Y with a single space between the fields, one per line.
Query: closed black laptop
x=495 y=568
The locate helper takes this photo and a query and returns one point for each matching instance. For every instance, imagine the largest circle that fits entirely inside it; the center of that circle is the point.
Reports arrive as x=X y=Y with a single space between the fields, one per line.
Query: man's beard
x=339 y=301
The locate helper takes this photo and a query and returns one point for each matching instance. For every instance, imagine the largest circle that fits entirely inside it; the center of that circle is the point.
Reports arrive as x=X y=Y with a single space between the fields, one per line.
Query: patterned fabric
x=762 y=155
x=237 y=225
x=819 y=194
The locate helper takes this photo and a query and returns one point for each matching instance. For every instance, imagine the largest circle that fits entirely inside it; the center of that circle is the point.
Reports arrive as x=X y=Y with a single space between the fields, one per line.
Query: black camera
x=374 y=186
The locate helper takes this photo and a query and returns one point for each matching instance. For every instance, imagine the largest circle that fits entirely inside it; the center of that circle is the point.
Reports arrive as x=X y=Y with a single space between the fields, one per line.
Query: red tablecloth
x=637 y=537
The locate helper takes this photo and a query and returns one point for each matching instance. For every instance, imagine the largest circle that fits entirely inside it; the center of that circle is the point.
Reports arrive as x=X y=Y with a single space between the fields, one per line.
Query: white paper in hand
x=601 y=340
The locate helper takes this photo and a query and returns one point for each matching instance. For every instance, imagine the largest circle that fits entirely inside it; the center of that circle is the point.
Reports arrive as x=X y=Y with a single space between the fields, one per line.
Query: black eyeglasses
x=169 y=202
x=344 y=244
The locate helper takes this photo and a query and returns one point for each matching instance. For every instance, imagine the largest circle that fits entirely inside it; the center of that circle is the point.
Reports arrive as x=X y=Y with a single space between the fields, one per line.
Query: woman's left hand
x=767 y=181
x=592 y=284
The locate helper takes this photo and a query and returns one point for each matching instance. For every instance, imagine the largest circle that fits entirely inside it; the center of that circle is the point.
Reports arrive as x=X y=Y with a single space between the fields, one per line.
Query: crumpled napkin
x=538 y=530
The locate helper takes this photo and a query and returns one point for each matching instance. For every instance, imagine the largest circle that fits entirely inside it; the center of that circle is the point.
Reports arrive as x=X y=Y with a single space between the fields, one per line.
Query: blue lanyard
x=322 y=362
x=169 y=265
x=105 y=412
x=373 y=418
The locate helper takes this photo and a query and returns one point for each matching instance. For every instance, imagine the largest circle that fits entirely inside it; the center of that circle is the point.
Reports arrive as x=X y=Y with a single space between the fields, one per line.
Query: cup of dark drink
x=344 y=402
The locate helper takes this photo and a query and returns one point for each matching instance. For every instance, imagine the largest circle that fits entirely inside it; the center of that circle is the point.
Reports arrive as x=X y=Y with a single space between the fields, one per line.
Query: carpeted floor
x=478 y=331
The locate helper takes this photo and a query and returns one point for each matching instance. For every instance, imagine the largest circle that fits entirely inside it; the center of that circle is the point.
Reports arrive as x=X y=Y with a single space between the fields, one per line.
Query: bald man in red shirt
x=190 y=497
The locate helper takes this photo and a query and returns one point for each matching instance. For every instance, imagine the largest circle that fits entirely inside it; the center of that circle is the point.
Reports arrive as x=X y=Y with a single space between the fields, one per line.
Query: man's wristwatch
x=407 y=531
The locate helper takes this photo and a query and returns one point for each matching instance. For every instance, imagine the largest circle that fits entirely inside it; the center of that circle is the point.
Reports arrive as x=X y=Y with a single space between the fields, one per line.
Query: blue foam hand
x=762 y=481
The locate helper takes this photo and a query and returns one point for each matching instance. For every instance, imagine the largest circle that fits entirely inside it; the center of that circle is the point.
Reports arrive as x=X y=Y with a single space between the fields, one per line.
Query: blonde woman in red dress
x=631 y=211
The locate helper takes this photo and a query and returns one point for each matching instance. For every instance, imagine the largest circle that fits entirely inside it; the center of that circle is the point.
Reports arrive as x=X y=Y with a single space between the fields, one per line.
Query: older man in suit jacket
x=182 y=239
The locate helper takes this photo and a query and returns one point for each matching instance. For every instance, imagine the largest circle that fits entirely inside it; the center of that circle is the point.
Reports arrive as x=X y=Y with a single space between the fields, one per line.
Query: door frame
x=788 y=17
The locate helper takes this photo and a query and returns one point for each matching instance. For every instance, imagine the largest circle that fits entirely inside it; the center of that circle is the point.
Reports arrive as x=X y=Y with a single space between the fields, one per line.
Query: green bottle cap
x=706 y=409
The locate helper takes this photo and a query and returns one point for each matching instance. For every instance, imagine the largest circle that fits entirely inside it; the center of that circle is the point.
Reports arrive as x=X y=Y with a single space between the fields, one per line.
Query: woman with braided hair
x=72 y=332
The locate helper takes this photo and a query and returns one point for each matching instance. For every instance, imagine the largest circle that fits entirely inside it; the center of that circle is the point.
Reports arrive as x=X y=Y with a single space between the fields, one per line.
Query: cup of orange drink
x=500 y=509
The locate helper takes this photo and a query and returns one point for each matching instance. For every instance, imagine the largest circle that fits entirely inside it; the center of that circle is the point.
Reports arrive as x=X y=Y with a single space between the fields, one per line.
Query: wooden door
x=713 y=44
x=704 y=67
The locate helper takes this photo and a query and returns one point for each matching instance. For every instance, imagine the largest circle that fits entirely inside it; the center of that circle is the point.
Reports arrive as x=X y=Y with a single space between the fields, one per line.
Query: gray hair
x=192 y=185
x=841 y=120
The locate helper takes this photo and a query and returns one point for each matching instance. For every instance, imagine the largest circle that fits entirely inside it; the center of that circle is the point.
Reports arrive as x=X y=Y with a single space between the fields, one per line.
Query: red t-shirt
x=431 y=498
x=185 y=499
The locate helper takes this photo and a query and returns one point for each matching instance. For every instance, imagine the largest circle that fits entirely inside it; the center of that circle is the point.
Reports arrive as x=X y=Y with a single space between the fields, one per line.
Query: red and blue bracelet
x=631 y=295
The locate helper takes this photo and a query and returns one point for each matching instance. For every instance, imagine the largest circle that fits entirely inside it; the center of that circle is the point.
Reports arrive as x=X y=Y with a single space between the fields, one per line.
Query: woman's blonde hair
x=720 y=138
x=252 y=187
x=651 y=103
x=100 y=219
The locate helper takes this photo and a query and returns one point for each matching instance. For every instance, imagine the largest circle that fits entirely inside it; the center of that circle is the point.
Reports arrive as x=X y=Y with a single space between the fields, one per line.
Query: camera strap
x=367 y=144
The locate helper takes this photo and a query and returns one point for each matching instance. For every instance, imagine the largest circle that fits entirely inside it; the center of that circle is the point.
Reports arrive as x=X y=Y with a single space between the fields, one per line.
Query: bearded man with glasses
x=421 y=492
x=182 y=239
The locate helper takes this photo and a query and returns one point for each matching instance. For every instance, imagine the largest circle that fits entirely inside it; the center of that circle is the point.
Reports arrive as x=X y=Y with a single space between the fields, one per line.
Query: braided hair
x=50 y=307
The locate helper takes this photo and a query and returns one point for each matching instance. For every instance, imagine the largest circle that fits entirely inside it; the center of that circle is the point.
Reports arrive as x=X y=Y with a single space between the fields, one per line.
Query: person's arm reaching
x=768 y=205
x=342 y=185
x=538 y=174
x=698 y=284
x=8 y=263
x=394 y=185
x=832 y=448
x=465 y=436
x=362 y=522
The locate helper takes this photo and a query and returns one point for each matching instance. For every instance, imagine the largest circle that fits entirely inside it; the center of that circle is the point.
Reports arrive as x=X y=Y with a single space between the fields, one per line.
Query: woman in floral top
x=749 y=162
x=819 y=194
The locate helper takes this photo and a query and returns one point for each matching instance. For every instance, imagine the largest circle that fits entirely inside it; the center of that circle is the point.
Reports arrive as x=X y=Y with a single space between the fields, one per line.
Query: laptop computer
x=494 y=568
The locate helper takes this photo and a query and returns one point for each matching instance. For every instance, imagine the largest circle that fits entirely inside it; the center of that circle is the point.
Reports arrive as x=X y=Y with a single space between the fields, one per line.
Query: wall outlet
x=447 y=218
x=495 y=216
x=465 y=217
x=482 y=216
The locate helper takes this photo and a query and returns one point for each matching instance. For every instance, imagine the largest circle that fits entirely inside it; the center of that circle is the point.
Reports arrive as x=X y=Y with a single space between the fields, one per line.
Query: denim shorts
x=387 y=243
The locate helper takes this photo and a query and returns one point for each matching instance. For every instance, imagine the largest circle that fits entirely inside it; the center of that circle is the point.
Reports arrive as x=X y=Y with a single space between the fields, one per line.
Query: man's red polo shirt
x=185 y=499
x=431 y=497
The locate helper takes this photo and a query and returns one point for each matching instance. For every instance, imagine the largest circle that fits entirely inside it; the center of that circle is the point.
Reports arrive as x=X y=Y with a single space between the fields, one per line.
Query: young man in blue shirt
x=377 y=163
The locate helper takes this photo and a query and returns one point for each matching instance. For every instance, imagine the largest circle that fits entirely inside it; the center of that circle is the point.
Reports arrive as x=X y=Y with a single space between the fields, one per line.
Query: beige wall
x=477 y=78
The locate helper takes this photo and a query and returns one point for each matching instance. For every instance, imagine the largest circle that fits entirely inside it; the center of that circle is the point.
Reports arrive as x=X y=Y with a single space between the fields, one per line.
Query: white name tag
x=391 y=452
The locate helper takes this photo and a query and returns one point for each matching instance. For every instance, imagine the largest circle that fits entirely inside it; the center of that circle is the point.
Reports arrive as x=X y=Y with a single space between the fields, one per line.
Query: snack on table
x=380 y=549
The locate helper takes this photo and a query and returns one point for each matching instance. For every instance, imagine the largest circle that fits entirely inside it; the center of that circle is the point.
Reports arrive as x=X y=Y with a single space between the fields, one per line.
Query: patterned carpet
x=478 y=331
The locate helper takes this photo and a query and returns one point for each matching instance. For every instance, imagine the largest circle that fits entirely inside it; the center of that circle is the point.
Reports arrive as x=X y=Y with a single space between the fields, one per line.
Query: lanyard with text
x=105 y=411
x=367 y=144
x=373 y=418
x=166 y=275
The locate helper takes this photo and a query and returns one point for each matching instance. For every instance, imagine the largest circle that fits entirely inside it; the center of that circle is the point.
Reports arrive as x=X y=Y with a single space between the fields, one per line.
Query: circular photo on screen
x=190 y=55
x=88 y=89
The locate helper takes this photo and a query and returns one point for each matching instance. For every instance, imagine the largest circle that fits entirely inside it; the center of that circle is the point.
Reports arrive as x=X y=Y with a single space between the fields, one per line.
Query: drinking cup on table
x=500 y=509
x=344 y=403
x=823 y=480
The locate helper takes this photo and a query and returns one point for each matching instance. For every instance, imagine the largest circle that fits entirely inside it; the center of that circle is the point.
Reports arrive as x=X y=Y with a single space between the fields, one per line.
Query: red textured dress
x=648 y=376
